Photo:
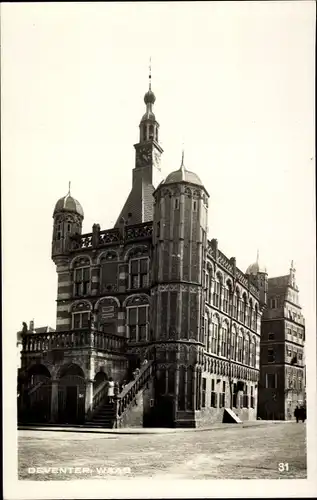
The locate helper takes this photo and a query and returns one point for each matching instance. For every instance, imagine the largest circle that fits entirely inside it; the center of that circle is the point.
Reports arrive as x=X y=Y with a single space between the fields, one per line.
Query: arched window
x=233 y=343
x=252 y=352
x=246 y=350
x=215 y=334
x=240 y=348
x=250 y=314
x=246 y=311
x=226 y=299
x=224 y=339
x=81 y=278
x=209 y=342
x=242 y=308
x=211 y=287
x=207 y=284
x=206 y=324
x=255 y=317
x=234 y=306
x=217 y=291
x=138 y=323
x=144 y=132
x=139 y=272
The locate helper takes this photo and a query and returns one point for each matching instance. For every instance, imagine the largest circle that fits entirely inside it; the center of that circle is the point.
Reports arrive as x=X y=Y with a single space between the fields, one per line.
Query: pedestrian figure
x=136 y=373
x=145 y=362
x=110 y=390
x=297 y=413
x=303 y=414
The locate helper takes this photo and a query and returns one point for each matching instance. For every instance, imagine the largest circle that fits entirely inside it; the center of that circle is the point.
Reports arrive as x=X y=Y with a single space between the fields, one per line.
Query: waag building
x=151 y=303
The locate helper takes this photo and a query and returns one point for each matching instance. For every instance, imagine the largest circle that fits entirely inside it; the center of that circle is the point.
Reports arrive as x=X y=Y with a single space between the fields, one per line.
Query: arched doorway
x=36 y=395
x=71 y=395
x=99 y=379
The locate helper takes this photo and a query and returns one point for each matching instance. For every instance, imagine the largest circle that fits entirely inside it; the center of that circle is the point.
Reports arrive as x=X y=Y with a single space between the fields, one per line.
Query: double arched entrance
x=71 y=395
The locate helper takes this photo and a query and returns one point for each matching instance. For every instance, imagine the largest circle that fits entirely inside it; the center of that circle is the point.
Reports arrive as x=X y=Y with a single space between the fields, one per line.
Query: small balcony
x=73 y=339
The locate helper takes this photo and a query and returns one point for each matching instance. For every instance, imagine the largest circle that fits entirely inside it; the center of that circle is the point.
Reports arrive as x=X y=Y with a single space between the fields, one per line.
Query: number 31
x=282 y=467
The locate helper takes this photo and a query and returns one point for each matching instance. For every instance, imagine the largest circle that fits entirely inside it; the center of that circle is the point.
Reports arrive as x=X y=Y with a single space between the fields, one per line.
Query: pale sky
x=234 y=81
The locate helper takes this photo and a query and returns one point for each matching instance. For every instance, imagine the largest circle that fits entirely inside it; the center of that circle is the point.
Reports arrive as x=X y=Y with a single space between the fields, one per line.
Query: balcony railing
x=113 y=236
x=73 y=339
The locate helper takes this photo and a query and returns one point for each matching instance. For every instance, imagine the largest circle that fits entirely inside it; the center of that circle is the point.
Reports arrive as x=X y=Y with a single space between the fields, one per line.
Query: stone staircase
x=110 y=415
x=104 y=416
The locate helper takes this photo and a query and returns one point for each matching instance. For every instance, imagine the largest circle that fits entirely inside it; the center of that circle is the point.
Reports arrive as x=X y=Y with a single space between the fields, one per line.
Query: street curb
x=93 y=430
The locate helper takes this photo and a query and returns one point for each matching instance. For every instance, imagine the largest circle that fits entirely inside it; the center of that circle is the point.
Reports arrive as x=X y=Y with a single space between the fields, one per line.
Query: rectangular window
x=252 y=398
x=273 y=303
x=270 y=355
x=213 y=400
x=176 y=204
x=76 y=321
x=138 y=323
x=226 y=300
x=271 y=336
x=203 y=402
x=81 y=281
x=271 y=382
x=234 y=396
x=139 y=269
x=245 y=397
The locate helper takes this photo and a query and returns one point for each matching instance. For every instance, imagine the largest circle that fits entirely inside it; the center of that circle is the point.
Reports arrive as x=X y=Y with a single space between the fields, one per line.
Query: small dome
x=256 y=268
x=149 y=115
x=68 y=204
x=149 y=97
x=183 y=175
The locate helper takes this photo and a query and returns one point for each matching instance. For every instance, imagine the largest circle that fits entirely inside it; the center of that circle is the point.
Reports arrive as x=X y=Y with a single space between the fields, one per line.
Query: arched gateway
x=71 y=395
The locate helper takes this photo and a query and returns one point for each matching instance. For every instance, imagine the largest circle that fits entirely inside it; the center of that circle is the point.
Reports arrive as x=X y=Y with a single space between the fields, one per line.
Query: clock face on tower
x=143 y=156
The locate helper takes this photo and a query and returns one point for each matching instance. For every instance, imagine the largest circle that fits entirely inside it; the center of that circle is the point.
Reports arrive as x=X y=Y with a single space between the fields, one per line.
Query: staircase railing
x=100 y=395
x=130 y=391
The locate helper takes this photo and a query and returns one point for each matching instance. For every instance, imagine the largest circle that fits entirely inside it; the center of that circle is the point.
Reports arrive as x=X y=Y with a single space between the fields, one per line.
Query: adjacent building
x=282 y=359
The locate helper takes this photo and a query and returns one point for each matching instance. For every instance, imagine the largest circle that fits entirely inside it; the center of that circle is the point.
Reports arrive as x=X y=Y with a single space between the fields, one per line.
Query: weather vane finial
x=150 y=73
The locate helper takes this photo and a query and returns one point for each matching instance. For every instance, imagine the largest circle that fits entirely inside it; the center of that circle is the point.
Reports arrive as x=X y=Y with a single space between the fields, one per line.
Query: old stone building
x=282 y=376
x=152 y=293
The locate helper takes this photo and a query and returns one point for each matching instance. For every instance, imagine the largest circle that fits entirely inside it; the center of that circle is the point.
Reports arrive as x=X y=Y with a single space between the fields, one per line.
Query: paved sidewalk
x=149 y=430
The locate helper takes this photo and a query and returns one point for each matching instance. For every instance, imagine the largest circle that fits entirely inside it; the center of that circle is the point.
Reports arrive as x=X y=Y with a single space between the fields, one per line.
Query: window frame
x=139 y=274
x=138 y=325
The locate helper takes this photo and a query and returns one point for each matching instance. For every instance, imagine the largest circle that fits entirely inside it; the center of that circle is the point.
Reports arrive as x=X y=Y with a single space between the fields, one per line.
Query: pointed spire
x=69 y=183
x=150 y=73
x=257 y=256
x=182 y=167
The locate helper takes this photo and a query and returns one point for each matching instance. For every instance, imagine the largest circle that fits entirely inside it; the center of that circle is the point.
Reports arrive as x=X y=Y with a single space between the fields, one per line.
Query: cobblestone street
x=231 y=452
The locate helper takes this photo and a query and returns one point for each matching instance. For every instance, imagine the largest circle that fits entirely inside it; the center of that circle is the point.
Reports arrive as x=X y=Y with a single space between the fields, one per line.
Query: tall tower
x=146 y=174
x=68 y=218
x=180 y=242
